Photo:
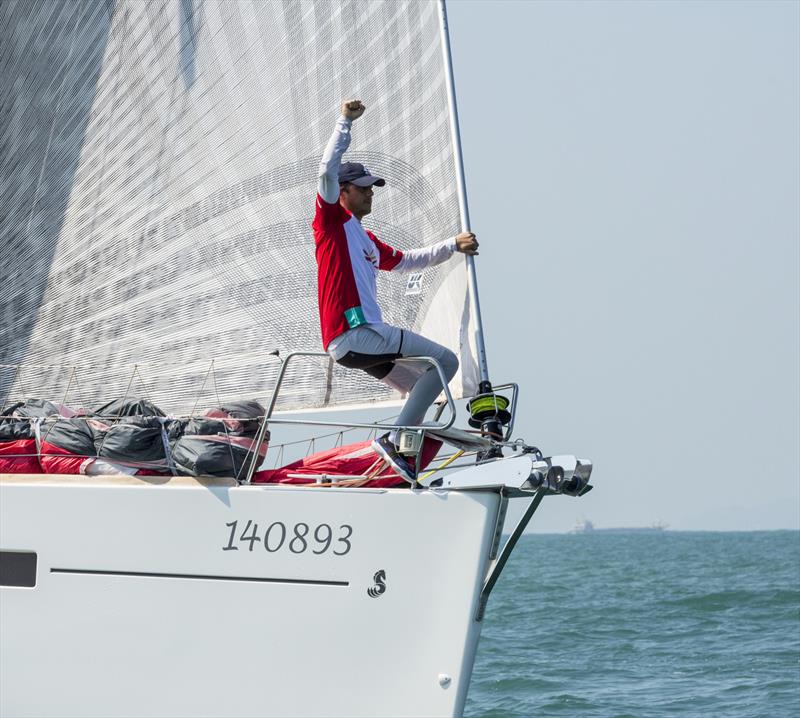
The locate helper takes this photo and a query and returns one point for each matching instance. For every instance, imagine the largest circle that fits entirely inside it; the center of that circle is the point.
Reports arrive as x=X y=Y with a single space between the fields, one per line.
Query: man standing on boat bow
x=348 y=260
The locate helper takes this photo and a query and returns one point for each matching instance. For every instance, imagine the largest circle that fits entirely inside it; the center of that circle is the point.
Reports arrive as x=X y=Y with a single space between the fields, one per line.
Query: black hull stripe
x=147 y=574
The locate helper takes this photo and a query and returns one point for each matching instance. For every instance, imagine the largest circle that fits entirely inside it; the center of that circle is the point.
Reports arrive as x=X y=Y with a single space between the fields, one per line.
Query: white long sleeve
x=328 y=186
x=415 y=259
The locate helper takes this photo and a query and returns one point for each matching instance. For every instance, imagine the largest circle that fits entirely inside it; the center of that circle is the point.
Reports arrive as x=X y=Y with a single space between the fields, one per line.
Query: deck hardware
x=262 y=434
x=409 y=442
x=489 y=406
x=489 y=412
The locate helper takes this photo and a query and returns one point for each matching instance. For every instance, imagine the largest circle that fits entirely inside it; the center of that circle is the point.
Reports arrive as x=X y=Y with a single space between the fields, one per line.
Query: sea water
x=643 y=625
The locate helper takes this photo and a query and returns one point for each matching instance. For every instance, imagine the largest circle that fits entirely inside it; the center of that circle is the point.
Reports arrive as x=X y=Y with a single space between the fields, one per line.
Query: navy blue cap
x=355 y=173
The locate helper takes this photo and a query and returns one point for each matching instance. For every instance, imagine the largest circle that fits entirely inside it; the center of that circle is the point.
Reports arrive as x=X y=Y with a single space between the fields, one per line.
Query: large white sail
x=157 y=185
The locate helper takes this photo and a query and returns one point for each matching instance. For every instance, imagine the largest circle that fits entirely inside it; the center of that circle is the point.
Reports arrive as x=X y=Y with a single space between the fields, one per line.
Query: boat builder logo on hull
x=380 y=585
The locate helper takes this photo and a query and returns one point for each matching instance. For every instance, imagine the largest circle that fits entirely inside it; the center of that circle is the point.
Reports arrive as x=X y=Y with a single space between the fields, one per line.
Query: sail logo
x=380 y=584
x=414 y=285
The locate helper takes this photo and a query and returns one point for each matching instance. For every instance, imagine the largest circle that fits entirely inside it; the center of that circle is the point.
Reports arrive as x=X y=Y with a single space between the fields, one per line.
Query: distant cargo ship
x=587 y=527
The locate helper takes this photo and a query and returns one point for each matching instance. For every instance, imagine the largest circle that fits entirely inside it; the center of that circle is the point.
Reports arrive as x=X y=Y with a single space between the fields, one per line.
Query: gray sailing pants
x=374 y=348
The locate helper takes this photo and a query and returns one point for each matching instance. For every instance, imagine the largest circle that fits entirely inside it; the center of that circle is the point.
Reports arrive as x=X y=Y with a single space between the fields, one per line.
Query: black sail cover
x=74 y=435
x=135 y=441
x=135 y=438
x=157 y=185
x=133 y=406
x=221 y=443
x=18 y=421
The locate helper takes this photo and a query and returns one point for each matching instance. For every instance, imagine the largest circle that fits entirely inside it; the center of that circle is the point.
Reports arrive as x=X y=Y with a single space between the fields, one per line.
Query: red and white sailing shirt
x=349 y=256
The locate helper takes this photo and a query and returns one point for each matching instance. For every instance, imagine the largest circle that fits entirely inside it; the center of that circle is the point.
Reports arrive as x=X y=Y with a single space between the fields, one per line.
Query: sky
x=633 y=174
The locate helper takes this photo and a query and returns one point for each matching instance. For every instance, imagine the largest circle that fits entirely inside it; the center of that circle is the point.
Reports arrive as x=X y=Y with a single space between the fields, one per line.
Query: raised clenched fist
x=353 y=109
x=467 y=243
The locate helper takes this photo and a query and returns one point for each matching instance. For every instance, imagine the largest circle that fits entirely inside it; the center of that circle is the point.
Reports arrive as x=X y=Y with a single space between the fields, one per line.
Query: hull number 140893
x=297 y=538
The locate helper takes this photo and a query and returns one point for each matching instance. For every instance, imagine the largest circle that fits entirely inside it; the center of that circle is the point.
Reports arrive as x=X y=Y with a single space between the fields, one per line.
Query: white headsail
x=157 y=185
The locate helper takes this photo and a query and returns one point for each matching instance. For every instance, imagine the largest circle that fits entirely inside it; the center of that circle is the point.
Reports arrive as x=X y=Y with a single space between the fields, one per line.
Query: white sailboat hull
x=148 y=601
